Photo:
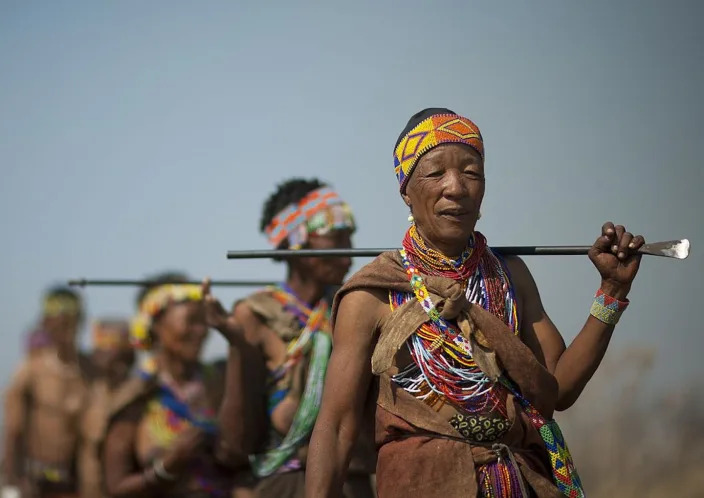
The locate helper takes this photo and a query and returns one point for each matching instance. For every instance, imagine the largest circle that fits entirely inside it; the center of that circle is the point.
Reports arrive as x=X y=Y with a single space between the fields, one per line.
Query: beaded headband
x=61 y=305
x=429 y=133
x=111 y=335
x=319 y=212
x=156 y=301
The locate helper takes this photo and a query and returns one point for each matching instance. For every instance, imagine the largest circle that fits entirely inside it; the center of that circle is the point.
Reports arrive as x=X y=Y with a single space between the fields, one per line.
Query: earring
x=411 y=219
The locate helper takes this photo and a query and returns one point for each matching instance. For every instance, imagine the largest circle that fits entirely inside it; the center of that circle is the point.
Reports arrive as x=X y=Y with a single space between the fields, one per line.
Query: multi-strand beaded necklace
x=443 y=368
x=310 y=319
x=169 y=414
x=314 y=343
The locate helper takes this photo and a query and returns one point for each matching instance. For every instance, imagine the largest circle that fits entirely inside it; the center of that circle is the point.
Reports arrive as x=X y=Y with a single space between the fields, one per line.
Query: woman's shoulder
x=129 y=400
x=373 y=281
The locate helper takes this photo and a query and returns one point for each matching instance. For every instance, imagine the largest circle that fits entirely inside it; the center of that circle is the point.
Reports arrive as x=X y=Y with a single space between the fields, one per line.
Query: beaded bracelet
x=606 y=308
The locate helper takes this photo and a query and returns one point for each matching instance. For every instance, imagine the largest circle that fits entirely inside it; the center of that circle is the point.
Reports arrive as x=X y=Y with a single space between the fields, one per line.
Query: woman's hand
x=218 y=318
x=183 y=450
x=615 y=255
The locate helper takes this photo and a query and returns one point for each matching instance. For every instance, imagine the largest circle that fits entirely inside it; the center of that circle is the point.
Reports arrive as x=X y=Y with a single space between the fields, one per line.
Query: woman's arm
x=122 y=479
x=573 y=367
x=16 y=414
x=346 y=385
x=243 y=410
x=615 y=255
x=242 y=413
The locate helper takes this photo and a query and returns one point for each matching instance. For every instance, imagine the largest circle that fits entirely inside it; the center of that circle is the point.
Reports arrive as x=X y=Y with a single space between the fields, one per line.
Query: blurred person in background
x=161 y=439
x=37 y=339
x=112 y=359
x=288 y=329
x=43 y=406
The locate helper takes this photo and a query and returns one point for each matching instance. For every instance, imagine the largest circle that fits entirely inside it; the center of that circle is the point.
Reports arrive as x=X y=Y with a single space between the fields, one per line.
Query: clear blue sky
x=142 y=136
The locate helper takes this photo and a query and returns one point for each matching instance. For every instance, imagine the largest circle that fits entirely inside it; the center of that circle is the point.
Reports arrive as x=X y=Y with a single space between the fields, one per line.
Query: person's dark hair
x=168 y=277
x=61 y=291
x=290 y=191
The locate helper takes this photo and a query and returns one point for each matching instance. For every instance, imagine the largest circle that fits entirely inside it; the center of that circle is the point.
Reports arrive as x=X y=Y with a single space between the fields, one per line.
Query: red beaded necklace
x=433 y=262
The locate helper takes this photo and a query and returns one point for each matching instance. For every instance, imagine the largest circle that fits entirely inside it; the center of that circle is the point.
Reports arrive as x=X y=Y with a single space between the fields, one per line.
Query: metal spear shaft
x=677 y=249
x=84 y=282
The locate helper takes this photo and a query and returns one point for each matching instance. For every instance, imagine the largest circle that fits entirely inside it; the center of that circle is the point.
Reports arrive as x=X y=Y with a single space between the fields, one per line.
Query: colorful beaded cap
x=319 y=212
x=111 y=335
x=154 y=303
x=429 y=133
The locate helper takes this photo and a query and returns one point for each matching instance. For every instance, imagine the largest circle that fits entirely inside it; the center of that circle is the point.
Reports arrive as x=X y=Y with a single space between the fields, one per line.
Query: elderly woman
x=467 y=366
x=161 y=440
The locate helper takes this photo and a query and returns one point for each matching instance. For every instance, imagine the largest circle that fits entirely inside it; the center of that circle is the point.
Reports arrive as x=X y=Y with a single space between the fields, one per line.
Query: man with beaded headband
x=162 y=436
x=466 y=366
x=43 y=404
x=288 y=328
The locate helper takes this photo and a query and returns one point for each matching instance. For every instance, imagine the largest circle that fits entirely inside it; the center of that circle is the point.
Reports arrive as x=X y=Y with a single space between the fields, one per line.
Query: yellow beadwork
x=154 y=303
x=60 y=305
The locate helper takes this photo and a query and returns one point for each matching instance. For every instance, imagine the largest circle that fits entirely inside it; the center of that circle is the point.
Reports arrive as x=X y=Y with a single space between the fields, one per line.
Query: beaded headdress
x=111 y=335
x=319 y=212
x=55 y=305
x=428 y=129
x=156 y=301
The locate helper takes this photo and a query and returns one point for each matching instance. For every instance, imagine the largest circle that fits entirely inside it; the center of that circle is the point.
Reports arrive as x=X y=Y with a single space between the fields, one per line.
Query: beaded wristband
x=606 y=308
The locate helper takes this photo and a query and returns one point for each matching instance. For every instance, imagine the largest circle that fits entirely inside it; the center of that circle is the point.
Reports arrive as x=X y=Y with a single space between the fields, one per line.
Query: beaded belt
x=480 y=428
x=40 y=471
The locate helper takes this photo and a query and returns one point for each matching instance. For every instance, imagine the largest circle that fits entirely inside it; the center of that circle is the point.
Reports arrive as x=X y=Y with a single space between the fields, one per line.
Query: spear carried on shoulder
x=677 y=249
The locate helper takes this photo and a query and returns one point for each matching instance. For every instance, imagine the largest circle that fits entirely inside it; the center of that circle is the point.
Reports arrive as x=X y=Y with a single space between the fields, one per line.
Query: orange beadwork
x=429 y=133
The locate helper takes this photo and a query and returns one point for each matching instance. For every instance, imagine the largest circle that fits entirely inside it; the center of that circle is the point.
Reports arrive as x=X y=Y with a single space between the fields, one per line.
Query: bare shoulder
x=517 y=267
x=521 y=276
x=362 y=308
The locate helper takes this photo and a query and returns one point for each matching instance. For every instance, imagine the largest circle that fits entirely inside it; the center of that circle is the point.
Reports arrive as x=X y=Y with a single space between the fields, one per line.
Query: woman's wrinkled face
x=445 y=193
x=328 y=271
x=181 y=330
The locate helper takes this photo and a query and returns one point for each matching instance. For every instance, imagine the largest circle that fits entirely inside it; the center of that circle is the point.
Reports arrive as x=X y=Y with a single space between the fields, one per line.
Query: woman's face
x=181 y=330
x=445 y=193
